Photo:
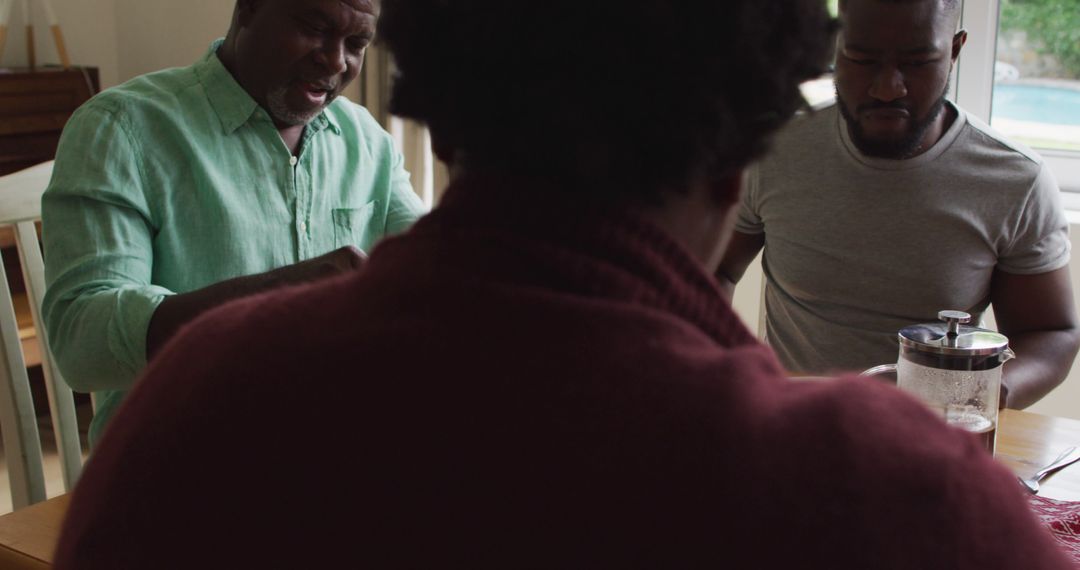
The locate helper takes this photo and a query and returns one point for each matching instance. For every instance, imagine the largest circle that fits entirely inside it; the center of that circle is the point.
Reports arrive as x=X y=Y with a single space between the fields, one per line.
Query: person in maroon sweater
x=543 y=373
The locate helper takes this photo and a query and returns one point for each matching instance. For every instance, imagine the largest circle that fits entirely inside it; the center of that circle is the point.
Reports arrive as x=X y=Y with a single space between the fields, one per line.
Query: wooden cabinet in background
x=34 y=106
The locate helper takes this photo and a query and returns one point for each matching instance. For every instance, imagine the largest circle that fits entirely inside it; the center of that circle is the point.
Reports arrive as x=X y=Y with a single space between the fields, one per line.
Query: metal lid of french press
x=951 y=338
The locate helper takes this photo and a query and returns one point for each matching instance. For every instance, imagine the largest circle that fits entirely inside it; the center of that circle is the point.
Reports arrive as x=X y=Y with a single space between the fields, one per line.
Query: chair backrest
x=20 y=207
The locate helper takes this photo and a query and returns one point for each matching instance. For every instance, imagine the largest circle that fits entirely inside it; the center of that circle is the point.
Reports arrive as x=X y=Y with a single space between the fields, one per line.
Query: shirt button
x=293 y=160
x=303 y=227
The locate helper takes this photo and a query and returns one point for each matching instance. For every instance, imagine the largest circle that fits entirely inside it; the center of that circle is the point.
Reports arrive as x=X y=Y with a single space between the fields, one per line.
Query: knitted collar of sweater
x=496 y=226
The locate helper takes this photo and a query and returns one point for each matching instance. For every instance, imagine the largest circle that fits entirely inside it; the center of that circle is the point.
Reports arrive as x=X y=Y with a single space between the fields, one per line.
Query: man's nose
x=332 y=57
x=888 y=84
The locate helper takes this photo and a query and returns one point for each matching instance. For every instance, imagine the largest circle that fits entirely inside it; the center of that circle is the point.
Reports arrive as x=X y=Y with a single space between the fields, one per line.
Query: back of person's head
x=628 y=98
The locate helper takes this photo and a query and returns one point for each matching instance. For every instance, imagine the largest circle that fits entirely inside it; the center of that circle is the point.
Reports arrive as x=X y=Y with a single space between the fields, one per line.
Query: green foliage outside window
x=1052 y=26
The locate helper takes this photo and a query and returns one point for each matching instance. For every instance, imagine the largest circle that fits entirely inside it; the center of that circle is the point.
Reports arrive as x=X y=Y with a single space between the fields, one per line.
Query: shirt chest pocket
x=353 y=226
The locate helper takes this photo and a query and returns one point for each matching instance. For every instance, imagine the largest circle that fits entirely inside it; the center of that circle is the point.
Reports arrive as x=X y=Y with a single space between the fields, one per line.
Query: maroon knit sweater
x=525 y=384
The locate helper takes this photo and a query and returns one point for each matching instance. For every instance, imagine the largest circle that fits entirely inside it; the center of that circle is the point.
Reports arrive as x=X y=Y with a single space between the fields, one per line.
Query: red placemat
x=1063 y=520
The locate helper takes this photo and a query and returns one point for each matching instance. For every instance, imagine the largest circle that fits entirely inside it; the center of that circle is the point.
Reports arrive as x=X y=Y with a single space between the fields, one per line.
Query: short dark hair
x=949 y=5
x=638 y=94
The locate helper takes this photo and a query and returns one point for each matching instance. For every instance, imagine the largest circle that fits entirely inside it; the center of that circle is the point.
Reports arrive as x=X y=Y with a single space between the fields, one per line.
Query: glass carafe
x=955 y=370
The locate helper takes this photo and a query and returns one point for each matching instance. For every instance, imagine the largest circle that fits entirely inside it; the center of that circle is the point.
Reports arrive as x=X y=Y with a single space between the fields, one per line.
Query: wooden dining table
x=28 y=536
x=1026 y=441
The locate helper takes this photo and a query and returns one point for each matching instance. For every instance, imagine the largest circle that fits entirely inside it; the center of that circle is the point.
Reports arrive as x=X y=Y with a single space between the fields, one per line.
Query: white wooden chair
x=20 y=207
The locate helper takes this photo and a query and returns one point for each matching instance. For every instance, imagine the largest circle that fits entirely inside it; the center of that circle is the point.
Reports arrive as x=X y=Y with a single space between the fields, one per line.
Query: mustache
x=322 y=84
x=882 y=105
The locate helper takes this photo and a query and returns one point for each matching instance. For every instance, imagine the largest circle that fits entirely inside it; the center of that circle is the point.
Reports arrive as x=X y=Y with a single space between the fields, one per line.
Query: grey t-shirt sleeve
x=1040 y=240
x=749 y=220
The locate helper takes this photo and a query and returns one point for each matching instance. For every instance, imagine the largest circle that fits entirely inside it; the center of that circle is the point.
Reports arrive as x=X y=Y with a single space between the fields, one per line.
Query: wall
x=122 y=38
x=156 y=34
x=1064 y=401
x=125 y=38
x=89 y=28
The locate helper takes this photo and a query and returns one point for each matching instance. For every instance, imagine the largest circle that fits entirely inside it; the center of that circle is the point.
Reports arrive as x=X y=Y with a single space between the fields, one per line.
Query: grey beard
x=280 y=112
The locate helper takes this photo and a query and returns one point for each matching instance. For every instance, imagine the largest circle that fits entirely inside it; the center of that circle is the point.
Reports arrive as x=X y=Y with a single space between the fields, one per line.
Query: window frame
x=973 y=83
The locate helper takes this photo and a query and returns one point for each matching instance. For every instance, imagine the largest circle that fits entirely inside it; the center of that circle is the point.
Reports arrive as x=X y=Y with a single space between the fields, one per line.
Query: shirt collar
x=233 y=105
x=229 y=100
x=324 y=120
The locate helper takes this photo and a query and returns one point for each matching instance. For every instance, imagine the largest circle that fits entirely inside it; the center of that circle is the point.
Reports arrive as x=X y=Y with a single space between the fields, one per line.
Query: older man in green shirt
x=186 y=188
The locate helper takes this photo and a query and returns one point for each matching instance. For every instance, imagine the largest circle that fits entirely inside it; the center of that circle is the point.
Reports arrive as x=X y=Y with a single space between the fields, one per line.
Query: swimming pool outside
x=1043 y=113
x=1037 y=103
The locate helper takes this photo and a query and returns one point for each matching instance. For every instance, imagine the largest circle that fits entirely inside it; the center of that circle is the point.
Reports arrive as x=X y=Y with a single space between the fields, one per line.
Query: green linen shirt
x=177 y=180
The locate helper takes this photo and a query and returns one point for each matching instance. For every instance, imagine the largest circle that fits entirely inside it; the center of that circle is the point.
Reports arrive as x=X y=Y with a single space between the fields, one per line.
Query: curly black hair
x=625 y=97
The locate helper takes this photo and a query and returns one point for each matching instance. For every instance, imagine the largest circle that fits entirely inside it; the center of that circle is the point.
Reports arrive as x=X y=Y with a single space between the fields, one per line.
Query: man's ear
x=958 y=43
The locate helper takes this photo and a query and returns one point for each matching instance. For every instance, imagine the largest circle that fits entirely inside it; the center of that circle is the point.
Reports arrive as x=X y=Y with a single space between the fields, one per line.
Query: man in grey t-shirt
x=893 y=204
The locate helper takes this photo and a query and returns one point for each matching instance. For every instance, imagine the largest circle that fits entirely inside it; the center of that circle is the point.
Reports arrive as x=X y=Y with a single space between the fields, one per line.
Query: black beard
x=906 y=147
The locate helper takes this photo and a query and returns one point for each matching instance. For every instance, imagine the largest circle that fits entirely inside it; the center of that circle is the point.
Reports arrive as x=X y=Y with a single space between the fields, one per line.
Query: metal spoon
x=1067 y=457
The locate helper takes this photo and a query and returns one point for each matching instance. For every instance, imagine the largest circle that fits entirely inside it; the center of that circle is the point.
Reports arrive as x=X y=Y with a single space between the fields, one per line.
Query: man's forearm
x=741 y=251
x=176 y=310
x=727 y=284
x=1043 y=360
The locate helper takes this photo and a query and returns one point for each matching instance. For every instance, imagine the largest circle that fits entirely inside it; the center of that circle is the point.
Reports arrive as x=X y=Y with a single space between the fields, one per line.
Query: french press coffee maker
x=955 y=369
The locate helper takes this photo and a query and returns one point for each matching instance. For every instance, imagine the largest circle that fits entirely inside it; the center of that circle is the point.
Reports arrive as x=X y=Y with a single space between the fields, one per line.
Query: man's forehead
x=930 y=12
x=912 y=41
x=945 y=6
x=908 y=26
x=368 y=6
x=365 y=6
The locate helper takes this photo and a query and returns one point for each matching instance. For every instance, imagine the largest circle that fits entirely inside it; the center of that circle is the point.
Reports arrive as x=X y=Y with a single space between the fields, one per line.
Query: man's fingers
x=351 y=256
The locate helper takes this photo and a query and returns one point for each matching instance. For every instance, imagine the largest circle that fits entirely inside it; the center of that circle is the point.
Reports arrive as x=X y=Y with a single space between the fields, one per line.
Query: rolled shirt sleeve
x=1039 y=232
x=405 y=206
x=98 y=244
x=748 y=220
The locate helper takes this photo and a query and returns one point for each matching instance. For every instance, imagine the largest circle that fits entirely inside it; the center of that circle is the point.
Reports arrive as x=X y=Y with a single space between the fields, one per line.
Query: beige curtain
x=429 y=176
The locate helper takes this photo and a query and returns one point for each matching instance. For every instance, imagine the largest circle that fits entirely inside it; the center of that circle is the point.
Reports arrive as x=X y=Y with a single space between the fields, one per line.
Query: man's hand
x=741 y=251
x=341 y=260
x=177 y=310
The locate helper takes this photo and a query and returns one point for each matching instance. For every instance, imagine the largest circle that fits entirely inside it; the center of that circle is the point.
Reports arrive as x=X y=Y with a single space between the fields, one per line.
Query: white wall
x=156 y=34
x=124 y=38
x=747 y=300
x=89 y=28
x=1063 y=402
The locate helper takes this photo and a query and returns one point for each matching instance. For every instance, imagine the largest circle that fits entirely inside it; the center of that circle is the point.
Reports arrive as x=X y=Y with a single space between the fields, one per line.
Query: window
x=821 y=91
x=1036 y=96
x=1021 y=72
